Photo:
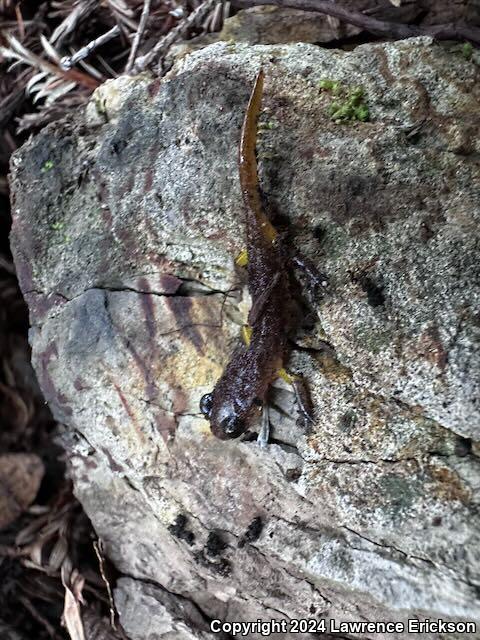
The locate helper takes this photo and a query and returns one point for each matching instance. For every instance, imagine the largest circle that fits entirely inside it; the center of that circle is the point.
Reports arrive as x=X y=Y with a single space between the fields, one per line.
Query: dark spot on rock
x=117 y=146
x=414 y=137
x=319 y=232
x=347 y=421
x=221 y=567
x=437 y=521
x=280 y=220
x=313 y=609
x=463 y=446
x=374 y=291
x=215 y=545
x=180 y=531
x=253 y=532
x=426 y=232
x=292 y=475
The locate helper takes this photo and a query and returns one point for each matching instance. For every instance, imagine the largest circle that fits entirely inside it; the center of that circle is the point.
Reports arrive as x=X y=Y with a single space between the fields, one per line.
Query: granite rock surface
x=127 y=217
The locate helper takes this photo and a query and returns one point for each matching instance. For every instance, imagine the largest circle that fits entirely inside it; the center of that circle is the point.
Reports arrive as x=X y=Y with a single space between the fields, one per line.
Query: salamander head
x=227 y=420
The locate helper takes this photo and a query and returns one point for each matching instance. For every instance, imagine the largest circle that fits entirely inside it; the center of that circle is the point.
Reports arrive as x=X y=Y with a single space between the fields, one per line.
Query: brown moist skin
x=240 y=392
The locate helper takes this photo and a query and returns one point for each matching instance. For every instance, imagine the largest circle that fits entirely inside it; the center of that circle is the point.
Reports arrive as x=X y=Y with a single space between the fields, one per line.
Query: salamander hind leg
x=264 y=433
x=302 y=396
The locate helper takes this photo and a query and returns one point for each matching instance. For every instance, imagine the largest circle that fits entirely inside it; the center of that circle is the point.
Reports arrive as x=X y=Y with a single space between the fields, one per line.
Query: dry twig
x=16 y=51
x=67 y=62
x=75 y=14
x=98 y=546
x=138 y=35
x=174 y=34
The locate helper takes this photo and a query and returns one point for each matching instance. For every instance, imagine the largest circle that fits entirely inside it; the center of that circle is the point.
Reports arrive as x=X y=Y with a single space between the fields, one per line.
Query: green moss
x=47 y=166
x=349 y=104
x=60 y=237
x=467 y=51
x=231 y=45
x=330 y=85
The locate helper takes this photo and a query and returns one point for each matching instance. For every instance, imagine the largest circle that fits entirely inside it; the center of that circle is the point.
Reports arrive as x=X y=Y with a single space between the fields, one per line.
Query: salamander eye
x=232 y=426
x=206 y=403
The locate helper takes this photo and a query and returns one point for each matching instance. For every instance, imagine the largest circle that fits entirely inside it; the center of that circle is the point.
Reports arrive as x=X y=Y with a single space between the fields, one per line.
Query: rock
x=277 y=25
x=96 y=627
x=269 y=24
x=148 y=612
x=126 y=220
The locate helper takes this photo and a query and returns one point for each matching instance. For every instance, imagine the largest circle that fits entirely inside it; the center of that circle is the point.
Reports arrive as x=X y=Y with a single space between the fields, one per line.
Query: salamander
x=240 y=393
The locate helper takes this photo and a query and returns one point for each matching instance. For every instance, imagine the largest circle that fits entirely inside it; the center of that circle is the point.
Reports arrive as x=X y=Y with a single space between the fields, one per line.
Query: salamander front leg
x=316 y=282
x=264 y=433
x=304 y=402
x=302 y=396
